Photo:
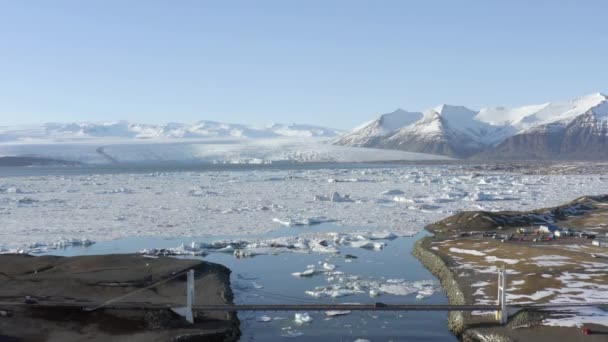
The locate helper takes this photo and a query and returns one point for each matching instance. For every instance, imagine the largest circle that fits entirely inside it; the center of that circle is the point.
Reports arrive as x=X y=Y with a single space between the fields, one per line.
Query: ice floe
x=342 y=284
x=302 y=317
x=309 y=221
x=108 y=206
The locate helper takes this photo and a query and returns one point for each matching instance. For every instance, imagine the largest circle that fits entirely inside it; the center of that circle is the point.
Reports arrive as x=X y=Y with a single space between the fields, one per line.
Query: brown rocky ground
x=567 y=269
x=86 y=281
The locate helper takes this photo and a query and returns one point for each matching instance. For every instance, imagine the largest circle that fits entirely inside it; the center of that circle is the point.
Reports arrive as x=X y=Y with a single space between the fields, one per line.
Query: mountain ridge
x=552 y=130
x=124 y=129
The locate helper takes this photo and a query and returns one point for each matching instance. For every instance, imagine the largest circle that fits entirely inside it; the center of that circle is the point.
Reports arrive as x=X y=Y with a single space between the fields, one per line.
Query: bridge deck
x=304 y=307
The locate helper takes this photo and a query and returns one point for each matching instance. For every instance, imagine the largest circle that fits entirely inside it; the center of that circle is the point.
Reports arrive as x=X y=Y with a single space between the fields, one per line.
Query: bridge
x=501 y=309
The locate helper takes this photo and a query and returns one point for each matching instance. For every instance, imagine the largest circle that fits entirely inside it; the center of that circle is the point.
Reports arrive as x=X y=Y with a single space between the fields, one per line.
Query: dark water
x=267 y=279
x=51 y=170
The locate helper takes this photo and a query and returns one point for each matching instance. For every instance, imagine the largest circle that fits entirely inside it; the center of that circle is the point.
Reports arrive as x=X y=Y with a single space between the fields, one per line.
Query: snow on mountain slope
x=460 y=131
x=465 y=120
x=298 y=130
x=370 y=133
x=434 y=134
x=527 y=117
x=583 y=137
x=131 y=130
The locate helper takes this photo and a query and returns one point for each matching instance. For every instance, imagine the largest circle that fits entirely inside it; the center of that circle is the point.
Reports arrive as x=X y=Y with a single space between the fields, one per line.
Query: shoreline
x=432 y=251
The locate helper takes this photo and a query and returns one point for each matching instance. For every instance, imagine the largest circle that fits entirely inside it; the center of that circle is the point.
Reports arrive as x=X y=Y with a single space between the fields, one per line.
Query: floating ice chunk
x=227 y=249
x=483 y=196
x=382 y=236
x=425 y=292
x=291 y=334
x=368 y=244
x=302 y=318
x=329 y=267
x=401 y=199
x=333 y=313
x=336 y=197
x=63 y=243
x=287 y=223
x=373 y=293
x=26 y=200
x=302 y=222
x=322 y=247
x=116 y=191
x=308 y=273
x=322 y=198
x=181 y=250
x=392 y=192
x=400 y=287
x=346 y=180
x=424 y=207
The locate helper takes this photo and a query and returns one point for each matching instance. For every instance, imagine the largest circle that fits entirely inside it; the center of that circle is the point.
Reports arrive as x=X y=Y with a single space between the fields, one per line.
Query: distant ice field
x=218 y=150
x=46 y=209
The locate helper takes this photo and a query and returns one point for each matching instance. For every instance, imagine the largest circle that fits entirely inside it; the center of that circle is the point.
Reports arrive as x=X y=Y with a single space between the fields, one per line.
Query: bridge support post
x=502 y=315
x=190 y=297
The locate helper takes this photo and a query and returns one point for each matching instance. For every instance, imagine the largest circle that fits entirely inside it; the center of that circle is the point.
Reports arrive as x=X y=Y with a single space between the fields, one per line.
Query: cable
x=137 y=291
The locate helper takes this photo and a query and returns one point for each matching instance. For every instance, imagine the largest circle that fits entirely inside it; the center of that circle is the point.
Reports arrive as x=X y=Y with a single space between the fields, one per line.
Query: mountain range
x=131 y=130
x=574 y=129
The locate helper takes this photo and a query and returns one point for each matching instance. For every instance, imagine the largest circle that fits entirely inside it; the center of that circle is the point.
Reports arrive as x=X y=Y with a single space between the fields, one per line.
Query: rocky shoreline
x=440 y=270
x=456 y=319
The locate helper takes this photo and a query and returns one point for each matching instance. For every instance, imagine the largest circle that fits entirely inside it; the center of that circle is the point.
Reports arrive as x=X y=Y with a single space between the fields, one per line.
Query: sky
x=332 y=63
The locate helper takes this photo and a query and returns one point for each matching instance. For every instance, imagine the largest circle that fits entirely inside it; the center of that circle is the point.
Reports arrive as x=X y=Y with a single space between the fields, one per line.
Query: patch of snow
x=466 y=251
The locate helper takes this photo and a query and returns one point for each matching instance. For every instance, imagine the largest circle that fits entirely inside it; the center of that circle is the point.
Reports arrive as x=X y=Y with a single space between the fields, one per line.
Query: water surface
x=267 y=279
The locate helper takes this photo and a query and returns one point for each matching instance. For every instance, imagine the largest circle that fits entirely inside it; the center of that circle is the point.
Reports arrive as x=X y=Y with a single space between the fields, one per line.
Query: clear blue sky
x=335 y=63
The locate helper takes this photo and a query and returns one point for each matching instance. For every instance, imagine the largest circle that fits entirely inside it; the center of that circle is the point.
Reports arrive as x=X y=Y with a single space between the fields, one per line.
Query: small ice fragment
x=308 y=273
x=425 y=293
x=291 y=334
x=332 y=313
x=302 y=318
x=329 y=267
x=368 y=244
x=392 y=192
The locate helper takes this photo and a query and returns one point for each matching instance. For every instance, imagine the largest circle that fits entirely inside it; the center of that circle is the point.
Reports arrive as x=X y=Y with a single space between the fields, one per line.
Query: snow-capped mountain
x=572 y=136
x=131 y=130
x=570 y=129
x=432 y=134
x=372 y=132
